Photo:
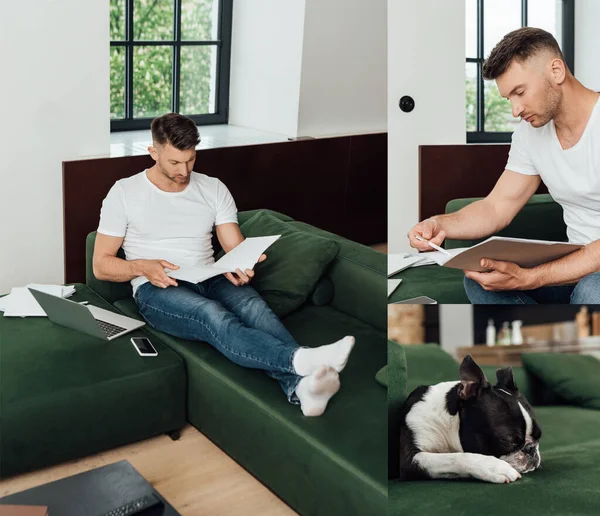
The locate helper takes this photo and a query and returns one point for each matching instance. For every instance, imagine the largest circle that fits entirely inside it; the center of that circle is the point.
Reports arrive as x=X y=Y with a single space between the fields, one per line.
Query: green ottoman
x=65 y=395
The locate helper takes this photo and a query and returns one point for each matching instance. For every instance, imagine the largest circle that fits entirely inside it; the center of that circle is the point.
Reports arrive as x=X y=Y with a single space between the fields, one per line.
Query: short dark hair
x=178 y=130
x=519 y=45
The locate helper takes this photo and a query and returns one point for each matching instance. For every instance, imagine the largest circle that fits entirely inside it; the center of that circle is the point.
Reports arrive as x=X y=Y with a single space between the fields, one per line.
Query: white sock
x=307 y=360
x=315 y=391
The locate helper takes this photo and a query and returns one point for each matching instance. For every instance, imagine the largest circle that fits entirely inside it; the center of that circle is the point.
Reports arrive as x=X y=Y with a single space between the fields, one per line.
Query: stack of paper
x=20 y=302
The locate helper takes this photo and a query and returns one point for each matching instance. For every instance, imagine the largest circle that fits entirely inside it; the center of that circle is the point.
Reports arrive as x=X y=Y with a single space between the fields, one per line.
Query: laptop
x=89 y=319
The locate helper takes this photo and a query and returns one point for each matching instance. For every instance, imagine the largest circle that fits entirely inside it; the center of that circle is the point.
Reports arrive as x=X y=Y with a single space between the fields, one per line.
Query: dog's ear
x=472 y=379
x=506 y=380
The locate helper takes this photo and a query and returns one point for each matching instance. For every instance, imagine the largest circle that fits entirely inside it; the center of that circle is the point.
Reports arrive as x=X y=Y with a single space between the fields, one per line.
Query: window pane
x=153 y=20
x=471 y=29
x=152 y=81
x=499 y=17
x=545 y=14
x=498 y=112
x=471 y=87
x=198 y=79
x=117 y=82
x=117 y=20
x=200 y=20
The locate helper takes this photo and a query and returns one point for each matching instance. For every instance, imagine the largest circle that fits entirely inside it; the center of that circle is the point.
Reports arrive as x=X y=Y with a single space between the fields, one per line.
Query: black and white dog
x=468 y=429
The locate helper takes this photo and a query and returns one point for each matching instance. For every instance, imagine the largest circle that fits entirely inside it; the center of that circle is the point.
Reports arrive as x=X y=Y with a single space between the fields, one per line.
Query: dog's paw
x=491 y=469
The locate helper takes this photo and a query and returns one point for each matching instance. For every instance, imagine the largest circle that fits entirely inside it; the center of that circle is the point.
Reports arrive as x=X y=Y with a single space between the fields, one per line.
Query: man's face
x=175 y=164
x=532 y=89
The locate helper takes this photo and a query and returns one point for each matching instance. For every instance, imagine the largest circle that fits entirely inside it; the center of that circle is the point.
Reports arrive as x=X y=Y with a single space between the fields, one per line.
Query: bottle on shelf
x=490 y=333
x=504 y=335
x=517 y=335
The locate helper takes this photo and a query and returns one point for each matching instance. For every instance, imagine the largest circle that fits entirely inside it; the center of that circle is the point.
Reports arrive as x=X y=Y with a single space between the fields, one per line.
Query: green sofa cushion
x=381 y=377
x=429 y=364
x=575 y=378
x=565 y=485
x=66 y=395
x=294 y=263
x=359 y=275
x=333 y=464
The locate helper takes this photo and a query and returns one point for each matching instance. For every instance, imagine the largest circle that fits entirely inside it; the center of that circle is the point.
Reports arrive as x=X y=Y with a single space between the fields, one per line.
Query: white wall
x=54 y=100
x=456 y=327
x=587 y=43
x=266 y=61
x=426 y=60
x=309 y=67
x=344 y=68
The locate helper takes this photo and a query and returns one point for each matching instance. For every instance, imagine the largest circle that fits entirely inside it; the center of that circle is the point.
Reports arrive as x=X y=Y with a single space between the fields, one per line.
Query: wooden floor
x=193 y=474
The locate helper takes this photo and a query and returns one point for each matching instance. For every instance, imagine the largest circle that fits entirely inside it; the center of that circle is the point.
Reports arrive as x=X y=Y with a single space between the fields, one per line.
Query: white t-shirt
x=172 y=226
x=572 y=175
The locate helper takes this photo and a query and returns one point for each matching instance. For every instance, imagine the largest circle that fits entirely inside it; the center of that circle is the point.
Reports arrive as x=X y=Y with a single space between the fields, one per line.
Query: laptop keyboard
x=109 y=329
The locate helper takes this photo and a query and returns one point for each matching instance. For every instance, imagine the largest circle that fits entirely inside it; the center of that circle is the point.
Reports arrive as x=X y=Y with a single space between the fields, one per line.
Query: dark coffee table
x=91 y=493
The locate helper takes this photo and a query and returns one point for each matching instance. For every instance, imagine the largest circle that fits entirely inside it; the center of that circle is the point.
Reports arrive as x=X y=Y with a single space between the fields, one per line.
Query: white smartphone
x=144 y=347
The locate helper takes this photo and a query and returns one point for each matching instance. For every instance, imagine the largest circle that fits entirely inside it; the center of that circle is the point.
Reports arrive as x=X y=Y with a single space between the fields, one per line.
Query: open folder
x=244 y=256
x=525 y=253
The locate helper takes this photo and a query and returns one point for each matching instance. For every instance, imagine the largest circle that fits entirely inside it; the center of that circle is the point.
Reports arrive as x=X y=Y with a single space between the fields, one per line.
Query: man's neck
x=158 y=179
x=577 y=106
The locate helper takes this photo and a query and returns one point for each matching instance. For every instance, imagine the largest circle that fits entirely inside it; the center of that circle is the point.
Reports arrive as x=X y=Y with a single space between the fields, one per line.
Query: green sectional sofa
x=541 y=218
x=331 y=465
x=567 y=482
x=65 y=395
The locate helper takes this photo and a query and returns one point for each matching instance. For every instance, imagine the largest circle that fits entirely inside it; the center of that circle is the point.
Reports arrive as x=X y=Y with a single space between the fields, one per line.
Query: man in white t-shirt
x=558 y=142
x=163 y=218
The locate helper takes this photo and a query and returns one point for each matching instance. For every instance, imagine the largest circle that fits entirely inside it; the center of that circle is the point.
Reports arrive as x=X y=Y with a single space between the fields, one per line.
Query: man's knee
x=587 y=291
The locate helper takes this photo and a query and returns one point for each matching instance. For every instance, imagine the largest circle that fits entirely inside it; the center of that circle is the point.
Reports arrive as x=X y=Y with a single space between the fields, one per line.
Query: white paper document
x=20 y=302
x=393 y=285
x=399 y=262
x=244 y=256
x=437 y=257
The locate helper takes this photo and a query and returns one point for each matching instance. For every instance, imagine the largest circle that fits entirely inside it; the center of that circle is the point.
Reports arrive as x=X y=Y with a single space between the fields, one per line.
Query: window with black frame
x=169 y=55
x=489 y=117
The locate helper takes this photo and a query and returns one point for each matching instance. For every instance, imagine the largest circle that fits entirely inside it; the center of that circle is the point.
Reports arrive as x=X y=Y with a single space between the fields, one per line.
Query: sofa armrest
x=109 y=290
x=541 y=219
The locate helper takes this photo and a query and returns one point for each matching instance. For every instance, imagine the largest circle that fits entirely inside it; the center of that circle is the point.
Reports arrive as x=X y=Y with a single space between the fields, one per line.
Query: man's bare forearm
x=569 y=269
x=477 y=220
x=112 y=268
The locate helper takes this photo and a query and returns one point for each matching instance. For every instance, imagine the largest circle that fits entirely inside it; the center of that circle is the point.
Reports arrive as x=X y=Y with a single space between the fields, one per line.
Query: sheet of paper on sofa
x=393 y=285
x=20 y=302
x=244 y=256
x=399 y=262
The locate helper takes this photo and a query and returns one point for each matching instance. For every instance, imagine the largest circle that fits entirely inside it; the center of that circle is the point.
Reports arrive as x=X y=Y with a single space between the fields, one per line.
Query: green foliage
x=153 y=65
x=497 y=111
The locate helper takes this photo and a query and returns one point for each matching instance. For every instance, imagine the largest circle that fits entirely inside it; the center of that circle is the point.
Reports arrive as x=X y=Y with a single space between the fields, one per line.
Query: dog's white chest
x=433 y=428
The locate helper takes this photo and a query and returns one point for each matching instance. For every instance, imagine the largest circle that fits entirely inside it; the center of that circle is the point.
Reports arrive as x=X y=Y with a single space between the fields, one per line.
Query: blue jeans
x=586 y=292
x=234 y=320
